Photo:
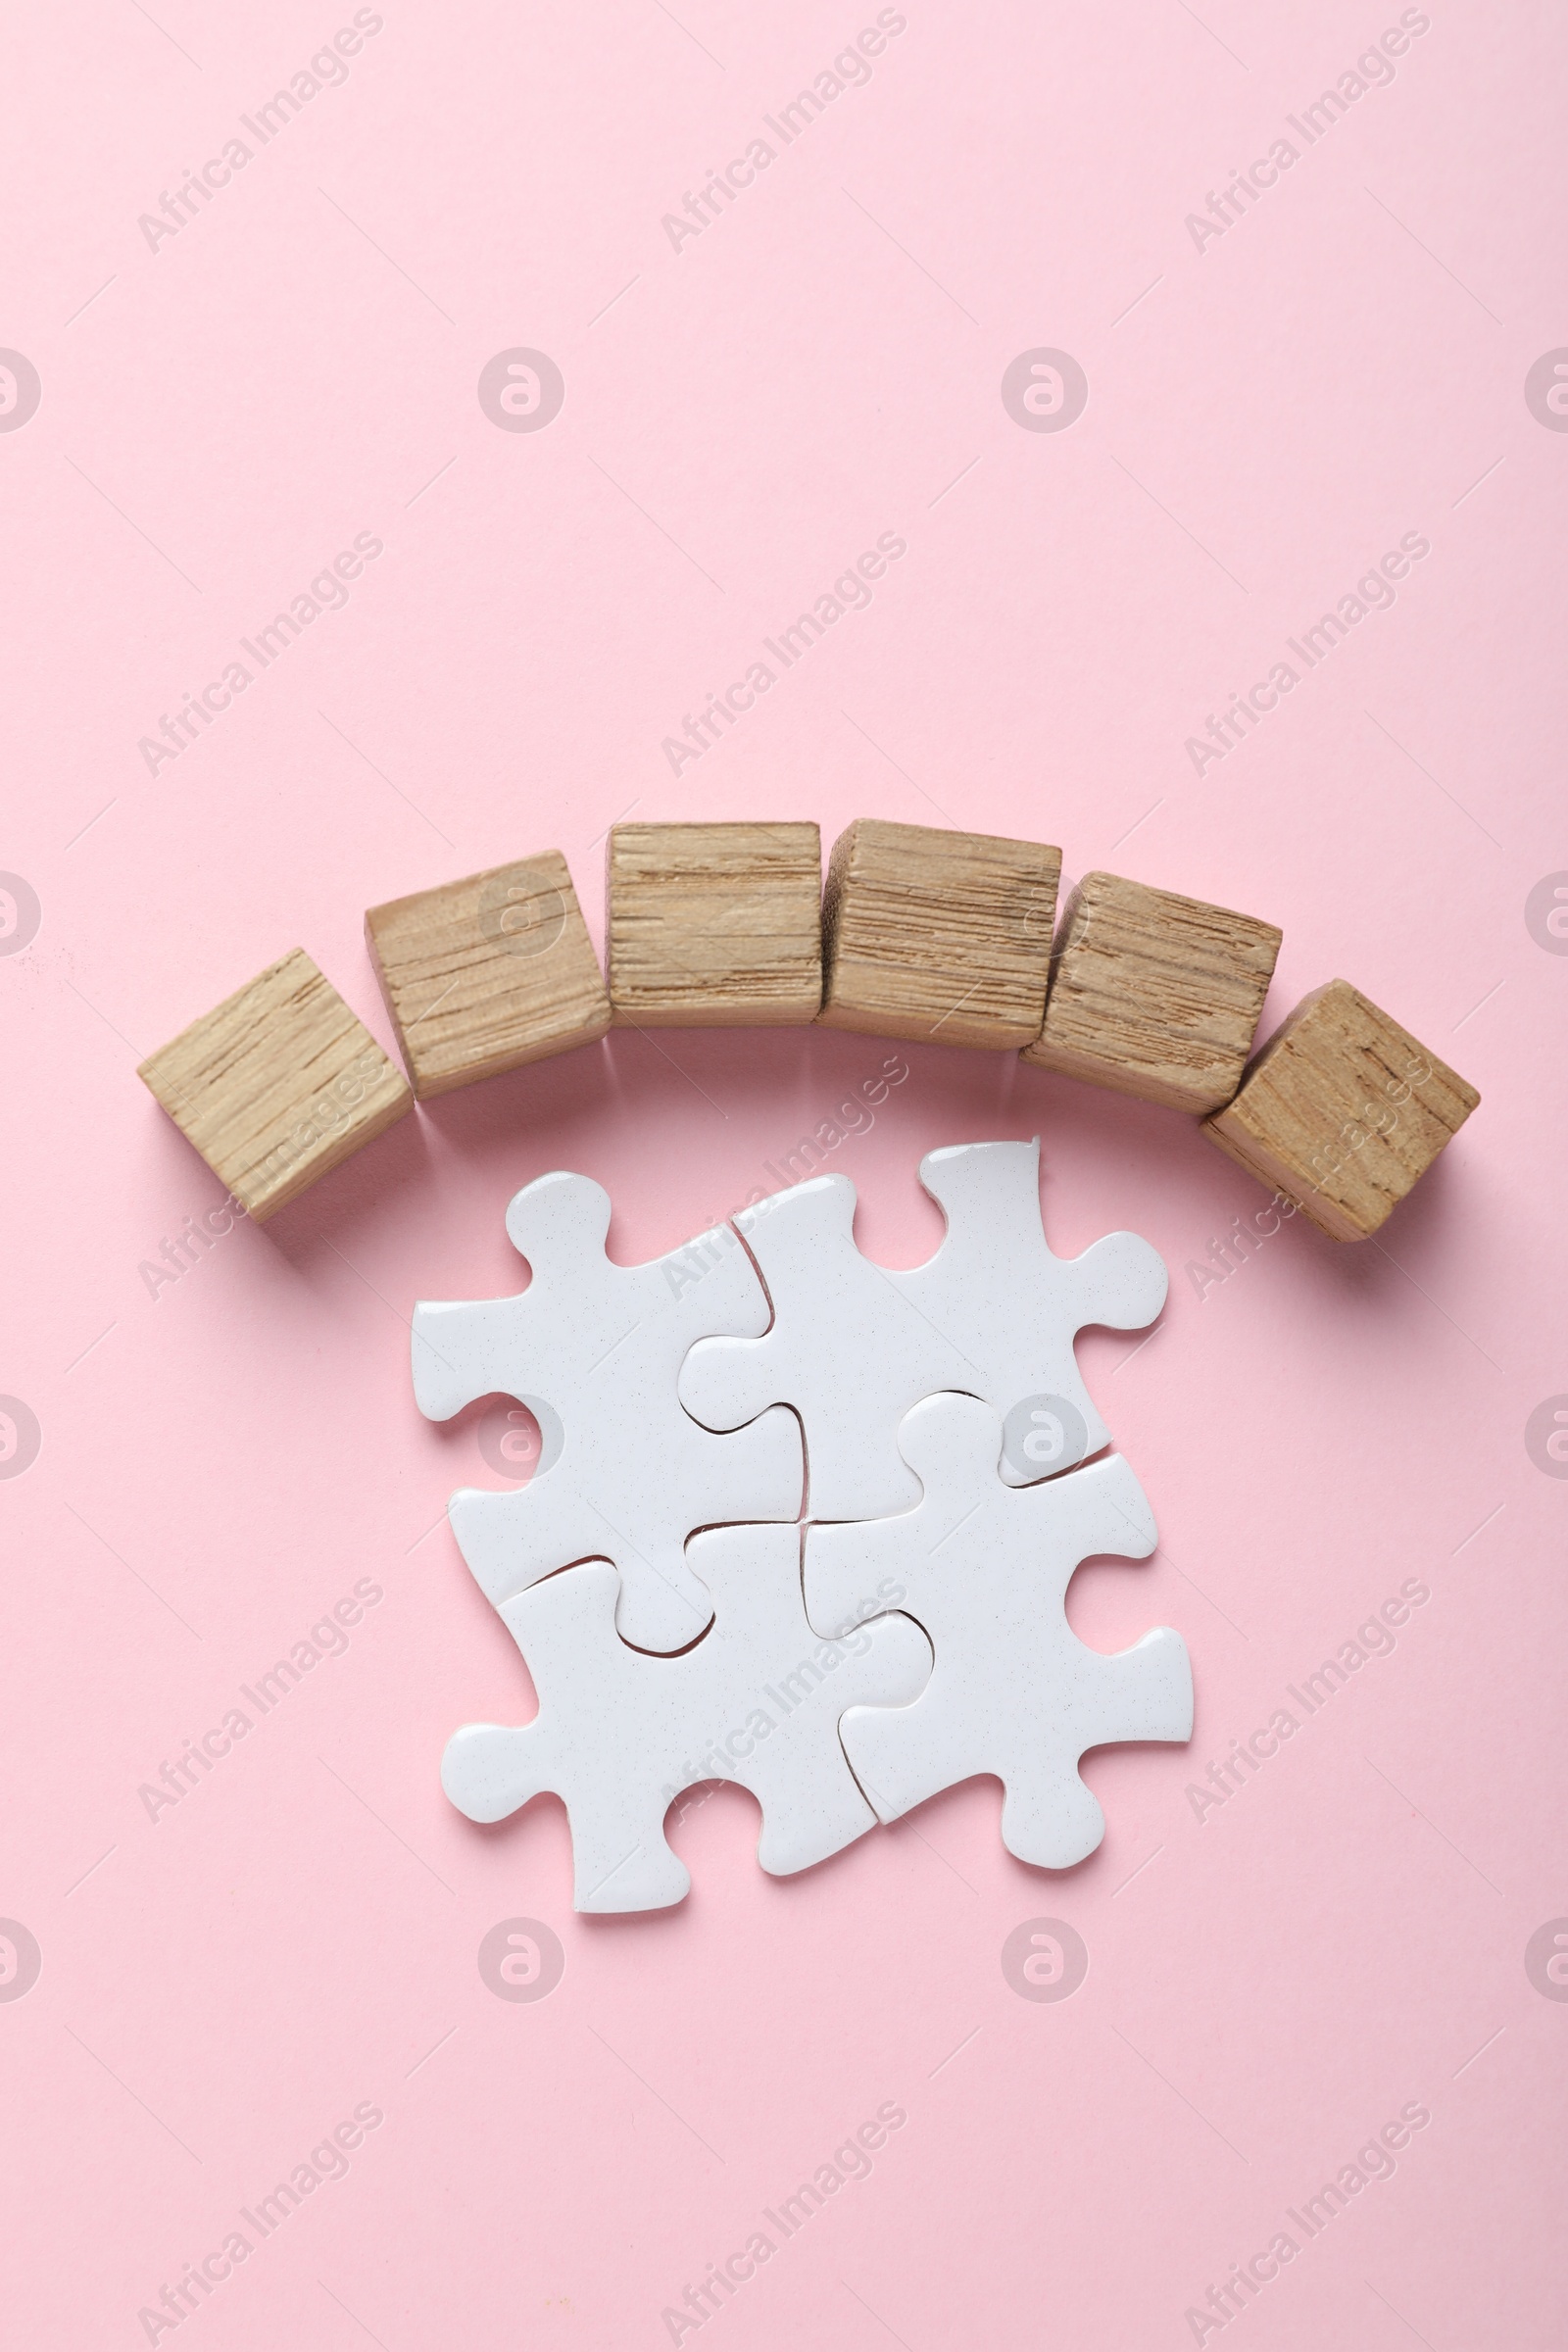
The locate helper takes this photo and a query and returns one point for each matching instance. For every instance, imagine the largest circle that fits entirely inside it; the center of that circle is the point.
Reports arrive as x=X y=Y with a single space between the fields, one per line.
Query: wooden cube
x=941 y=938
x=1154 y=996
x=488 y=973
x=714 y=926
x=1342 y=1110
x=277 y=1085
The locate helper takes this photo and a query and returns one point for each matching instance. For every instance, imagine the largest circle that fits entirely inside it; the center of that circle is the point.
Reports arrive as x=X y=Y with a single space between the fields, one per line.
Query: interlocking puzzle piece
x=594 y=1351
x=984 y=1568
x=853 y=1344
x=1343 y=1111
x=619 y=1734
x=714 y=925
x=277 y=1085
x=488 y=973
x=942 y=937
x=1153 y=995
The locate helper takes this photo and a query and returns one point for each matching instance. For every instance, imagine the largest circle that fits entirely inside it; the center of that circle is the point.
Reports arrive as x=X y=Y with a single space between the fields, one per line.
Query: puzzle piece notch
x=594 y=1349
x=619 y=1735
x=993 y=1313
x=984 y=1568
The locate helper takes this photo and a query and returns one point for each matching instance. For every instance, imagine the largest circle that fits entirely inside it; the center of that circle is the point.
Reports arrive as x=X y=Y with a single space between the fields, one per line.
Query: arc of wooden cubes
x=930 y=936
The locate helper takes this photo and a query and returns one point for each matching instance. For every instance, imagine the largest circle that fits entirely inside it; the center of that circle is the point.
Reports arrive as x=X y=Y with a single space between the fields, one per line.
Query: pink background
x=220 y=1465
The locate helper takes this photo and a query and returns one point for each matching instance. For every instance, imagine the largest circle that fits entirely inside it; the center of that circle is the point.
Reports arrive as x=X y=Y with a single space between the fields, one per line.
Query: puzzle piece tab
x=853 y=1346
x=594 y=1351
x=984 y=1568
x=619 y=1735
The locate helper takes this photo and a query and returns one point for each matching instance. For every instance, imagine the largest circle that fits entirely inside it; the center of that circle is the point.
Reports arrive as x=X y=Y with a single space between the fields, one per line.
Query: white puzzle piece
x=619 y=1734
x=853 y=1346
x=984 y=1568
x=594 y=1349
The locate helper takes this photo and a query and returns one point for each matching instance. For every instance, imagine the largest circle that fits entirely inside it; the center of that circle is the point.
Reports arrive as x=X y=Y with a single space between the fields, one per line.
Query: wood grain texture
x=488 y=973
x=277 y=1085
x=1153 y=995
x=714 y=925
x=1342 y=1110
x=939 y=938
